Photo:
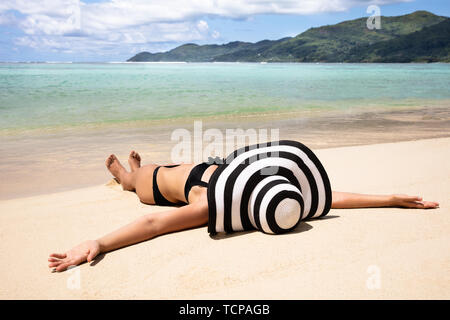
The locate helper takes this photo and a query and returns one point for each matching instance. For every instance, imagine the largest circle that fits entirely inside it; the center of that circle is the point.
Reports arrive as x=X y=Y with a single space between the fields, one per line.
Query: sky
x=115 y=30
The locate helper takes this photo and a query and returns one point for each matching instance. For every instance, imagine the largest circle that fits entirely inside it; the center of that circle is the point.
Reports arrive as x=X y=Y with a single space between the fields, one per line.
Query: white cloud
x=215 y=34
x=74 y=25
x=202 y=26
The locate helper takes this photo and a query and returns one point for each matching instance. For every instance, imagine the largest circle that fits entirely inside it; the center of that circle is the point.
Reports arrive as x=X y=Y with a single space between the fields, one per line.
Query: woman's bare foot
x=134 y=160
x=114 y=166
x=403 y=200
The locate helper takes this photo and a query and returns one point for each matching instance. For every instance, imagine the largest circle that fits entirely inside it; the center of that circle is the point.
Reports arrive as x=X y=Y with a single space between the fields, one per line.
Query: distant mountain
x=431 y=44
x=192 y=52
x=417 y=37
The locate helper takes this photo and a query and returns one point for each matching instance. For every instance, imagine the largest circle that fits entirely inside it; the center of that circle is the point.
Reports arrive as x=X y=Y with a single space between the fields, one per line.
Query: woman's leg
x=344 y=200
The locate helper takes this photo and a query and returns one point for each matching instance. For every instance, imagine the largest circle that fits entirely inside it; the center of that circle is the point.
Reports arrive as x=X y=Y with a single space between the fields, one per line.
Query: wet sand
x=46 y=161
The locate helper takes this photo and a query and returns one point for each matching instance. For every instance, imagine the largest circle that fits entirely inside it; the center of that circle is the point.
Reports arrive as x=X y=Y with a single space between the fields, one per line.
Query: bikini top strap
x=171 y=166
x=195 y=178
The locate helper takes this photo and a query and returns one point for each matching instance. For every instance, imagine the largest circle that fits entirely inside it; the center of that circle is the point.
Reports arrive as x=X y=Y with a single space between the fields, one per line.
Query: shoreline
x=310 y=112
x=38 y=164
x=409 y=247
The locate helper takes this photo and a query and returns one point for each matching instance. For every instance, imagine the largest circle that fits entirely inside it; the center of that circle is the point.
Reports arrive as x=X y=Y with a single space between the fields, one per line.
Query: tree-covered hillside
x=419 y=36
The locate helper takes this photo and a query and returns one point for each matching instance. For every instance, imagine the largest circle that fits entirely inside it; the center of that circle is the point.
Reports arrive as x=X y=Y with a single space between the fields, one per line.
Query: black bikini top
x=194 y=179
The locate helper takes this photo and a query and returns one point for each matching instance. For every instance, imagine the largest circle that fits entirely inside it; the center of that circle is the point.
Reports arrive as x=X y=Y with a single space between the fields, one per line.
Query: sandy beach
x=387 y=253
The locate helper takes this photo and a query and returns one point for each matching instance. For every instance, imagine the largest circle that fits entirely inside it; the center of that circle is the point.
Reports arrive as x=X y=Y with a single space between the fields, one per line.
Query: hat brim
x=232 y=183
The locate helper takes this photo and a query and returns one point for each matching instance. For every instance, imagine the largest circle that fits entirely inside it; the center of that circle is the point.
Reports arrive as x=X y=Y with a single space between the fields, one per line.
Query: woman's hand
x=85 y=251
x=403 y=200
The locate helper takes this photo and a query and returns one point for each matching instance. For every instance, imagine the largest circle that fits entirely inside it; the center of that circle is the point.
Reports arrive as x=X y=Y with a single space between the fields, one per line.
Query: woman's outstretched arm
x=344 y=200
x=143 y=228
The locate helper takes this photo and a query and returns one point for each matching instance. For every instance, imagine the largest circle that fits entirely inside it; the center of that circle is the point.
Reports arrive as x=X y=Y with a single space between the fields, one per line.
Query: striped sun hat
x=269 y=187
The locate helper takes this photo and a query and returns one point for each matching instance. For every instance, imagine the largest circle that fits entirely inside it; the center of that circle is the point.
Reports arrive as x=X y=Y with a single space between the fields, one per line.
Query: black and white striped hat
x=269 y=187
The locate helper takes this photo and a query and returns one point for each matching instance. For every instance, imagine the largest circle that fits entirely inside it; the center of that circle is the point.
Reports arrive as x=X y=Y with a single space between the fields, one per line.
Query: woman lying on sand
x=185 y=186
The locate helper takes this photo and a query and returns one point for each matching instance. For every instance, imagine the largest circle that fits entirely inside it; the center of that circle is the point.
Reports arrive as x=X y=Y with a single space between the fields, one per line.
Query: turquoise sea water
x=34 y=96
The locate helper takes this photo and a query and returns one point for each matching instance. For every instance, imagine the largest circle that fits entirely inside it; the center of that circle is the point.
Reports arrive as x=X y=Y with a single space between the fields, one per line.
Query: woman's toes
x=135 y=155
x=109 y=160
x=134 y=160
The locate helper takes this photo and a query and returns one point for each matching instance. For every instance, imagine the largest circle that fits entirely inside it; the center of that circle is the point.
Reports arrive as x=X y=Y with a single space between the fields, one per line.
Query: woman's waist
x=178 y=182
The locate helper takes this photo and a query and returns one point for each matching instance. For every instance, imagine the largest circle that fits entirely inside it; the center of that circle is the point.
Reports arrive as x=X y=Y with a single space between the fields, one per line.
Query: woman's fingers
x=54 y=264
x=58 y=255
x=421 y=204
x=91 y=255
x=404 y=200
x=53 y=259
x=413 y=204
x=416 y=205
x=430 y=204
x=63 y=266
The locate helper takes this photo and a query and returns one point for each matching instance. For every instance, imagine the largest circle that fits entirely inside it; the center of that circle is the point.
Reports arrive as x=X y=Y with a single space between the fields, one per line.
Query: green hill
x=401 y=39
x=431 y=44
x=195 y=53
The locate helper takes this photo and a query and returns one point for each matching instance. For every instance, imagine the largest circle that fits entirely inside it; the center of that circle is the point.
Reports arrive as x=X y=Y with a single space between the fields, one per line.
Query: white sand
x=361 y=253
